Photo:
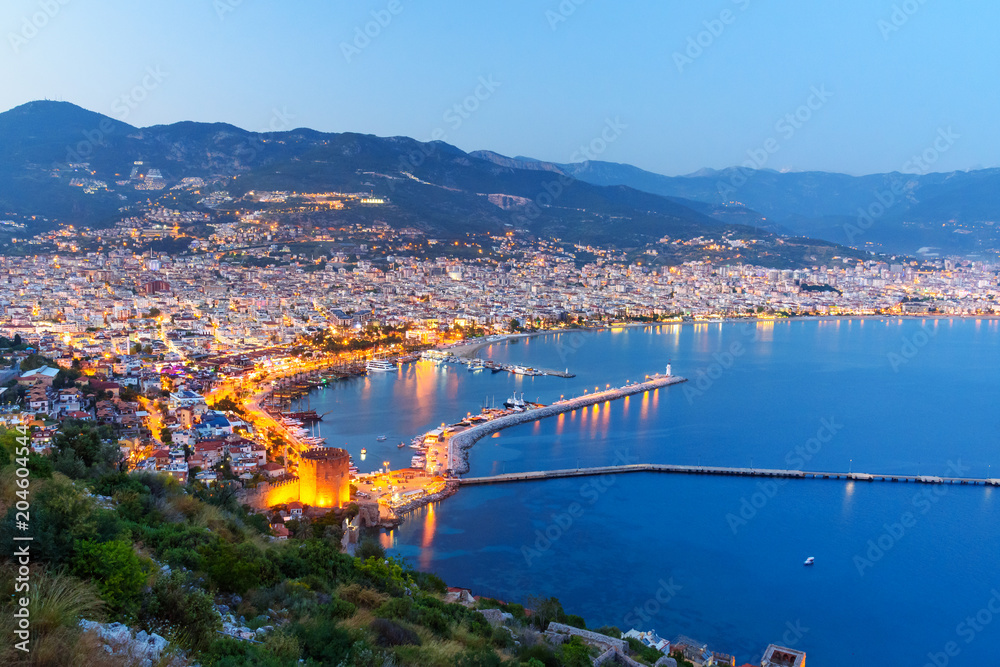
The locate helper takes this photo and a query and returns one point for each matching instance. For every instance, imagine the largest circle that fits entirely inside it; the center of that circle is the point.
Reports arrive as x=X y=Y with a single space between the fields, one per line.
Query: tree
x=514 y=325
x=116 y=568
x=33 y=361
x=86 y=442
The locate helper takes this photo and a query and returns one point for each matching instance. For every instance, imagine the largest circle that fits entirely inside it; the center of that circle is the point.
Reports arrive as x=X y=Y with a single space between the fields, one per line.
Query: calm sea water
x=903 y=573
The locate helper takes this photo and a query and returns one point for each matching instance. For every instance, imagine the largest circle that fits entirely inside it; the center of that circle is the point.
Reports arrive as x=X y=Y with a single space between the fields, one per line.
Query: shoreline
x=469 y=349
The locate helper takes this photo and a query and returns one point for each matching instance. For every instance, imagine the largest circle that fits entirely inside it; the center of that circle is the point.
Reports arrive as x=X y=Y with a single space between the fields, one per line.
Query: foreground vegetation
x=143 y=550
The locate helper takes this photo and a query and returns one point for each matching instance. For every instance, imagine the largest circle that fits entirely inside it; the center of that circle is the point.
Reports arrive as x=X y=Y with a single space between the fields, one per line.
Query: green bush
x=185 y=613
x=395 y=608
x=322 y=640
x=390 y=633
x=117 y=570
x=341 y=608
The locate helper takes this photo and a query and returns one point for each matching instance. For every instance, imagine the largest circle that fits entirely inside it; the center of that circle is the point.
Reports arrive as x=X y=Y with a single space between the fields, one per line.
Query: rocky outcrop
x=140 y=648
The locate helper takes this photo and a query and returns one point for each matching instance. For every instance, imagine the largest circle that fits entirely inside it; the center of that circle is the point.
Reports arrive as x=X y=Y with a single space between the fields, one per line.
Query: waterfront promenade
x=459 y=443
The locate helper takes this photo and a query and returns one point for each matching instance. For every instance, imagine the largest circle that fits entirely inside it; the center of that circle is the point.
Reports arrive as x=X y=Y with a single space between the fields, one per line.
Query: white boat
x=380 y=365
x=516 y=403
x=381 y=438
x=476 y=365
x=809 y=561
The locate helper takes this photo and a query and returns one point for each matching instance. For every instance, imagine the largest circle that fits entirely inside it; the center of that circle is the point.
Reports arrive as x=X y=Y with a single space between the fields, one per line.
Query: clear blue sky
x=559 y=80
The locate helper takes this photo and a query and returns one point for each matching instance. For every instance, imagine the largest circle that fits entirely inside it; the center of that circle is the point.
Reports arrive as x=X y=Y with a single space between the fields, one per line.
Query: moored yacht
x=380 y=365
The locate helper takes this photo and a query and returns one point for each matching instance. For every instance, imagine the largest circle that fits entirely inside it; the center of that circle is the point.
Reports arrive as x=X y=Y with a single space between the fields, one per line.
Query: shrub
x=342 y=608
x=362 y=596
x=395 y=608
x=116 y=569
x=323 y=641
x=369 y=548
x=434 y=620
x=173 y=604
x=390 y=633
x=429 y=581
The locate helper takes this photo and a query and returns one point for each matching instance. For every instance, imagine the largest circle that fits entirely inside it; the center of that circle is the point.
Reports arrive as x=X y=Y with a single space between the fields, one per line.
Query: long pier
x=723 y=471
x=459 y=443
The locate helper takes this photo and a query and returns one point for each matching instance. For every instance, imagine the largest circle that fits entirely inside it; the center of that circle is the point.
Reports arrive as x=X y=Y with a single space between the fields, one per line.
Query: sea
x=904 y=573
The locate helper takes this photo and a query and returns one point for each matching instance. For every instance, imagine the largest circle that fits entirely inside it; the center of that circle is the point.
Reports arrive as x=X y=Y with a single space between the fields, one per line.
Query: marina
x=474 y=364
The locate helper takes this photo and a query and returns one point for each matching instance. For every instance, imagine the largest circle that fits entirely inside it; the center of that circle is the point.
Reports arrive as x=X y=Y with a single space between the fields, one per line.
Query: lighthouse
x=668 y=369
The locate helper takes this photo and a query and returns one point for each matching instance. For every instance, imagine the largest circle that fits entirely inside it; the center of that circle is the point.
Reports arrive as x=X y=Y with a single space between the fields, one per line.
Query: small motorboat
x=401 y=445
x=382 y=438
x=363 y=451
x=809 y=561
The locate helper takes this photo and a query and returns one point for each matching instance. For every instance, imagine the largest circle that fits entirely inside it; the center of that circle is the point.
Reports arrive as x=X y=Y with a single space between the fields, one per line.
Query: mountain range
x=45 y=146
x=956 y=212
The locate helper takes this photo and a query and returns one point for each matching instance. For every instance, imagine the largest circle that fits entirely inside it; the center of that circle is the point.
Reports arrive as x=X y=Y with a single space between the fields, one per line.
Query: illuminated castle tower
x=324 y=478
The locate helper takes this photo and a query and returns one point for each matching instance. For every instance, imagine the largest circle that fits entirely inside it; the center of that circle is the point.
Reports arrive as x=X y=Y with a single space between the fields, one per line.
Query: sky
x=853 y=86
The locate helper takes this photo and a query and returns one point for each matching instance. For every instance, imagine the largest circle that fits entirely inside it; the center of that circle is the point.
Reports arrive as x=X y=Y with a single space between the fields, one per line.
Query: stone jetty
x=459 y=443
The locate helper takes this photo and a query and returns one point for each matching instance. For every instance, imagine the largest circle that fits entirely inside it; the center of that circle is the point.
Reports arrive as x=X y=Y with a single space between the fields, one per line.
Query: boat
x=401 y=445
x=382 y=438
x=515 y=403
x=380 y=365
x=476 y=365
x=809 y=561
x=363 y=451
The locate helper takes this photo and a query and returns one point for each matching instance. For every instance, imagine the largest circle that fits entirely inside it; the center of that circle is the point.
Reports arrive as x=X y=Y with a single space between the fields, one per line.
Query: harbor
x=442 y=453
x=476 y=364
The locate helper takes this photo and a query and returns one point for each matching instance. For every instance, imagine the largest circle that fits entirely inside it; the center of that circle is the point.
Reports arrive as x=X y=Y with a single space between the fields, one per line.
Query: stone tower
x=324 y=478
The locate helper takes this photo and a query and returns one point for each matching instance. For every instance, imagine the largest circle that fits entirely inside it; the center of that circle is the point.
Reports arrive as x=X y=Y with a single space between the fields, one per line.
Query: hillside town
x=174 y=358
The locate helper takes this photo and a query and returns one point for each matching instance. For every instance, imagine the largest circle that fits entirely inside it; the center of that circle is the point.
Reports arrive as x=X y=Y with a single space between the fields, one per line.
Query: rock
x=665 y=662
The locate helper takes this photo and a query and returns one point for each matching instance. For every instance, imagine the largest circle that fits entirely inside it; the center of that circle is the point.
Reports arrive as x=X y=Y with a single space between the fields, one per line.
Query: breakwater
x=459 y=443
x=716 y=470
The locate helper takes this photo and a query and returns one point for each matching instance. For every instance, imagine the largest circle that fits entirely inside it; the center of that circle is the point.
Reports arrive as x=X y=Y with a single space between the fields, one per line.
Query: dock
x=495 y=366
x=724 y=471
x=459 y=443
